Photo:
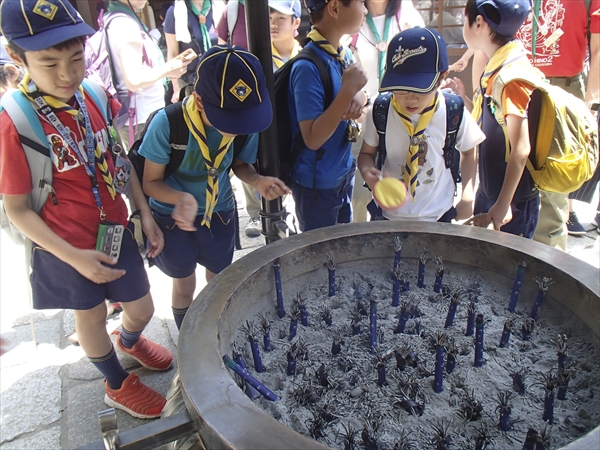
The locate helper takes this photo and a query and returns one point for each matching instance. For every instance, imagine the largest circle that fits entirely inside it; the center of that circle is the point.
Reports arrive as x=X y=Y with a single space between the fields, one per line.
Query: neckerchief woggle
x=277 y=59
x=193 y=120
x=94 y=156
x=415 y=133
x=381 y=44
x=505 y=55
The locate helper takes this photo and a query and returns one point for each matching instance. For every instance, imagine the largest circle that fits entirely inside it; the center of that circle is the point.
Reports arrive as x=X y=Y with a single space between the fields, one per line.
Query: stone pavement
x=50 y=394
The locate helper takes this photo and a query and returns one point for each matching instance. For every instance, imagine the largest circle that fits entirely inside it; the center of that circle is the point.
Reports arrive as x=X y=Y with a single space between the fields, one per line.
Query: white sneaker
x=253 y=229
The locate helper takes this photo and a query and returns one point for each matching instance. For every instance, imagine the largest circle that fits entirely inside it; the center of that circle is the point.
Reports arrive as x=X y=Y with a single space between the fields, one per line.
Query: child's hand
x=90 y=264
x=271 y=188
x=354 y=78
x=371 y=176
x=455 y=84
x=357 y=107
x=153 y=234
x=464 y=210
x=499 y=215
x=177 y=67
x=185 y=212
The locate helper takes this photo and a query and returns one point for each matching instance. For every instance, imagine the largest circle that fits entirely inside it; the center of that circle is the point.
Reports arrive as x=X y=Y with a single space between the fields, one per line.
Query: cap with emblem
x=313 y=5
x=40 y=24
x=288 y=7
x=512 y=14
x=233 y=89
x=415 y=60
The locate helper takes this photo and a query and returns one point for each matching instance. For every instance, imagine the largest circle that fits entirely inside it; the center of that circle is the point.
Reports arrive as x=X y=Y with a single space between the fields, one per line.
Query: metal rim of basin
x=226 y=418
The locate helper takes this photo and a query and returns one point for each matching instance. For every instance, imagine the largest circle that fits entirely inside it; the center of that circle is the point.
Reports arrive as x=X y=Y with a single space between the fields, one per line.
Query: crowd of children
x=188 y=217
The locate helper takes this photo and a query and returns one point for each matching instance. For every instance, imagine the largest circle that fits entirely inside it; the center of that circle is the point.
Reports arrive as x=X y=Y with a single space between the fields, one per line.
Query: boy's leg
x=182 y=297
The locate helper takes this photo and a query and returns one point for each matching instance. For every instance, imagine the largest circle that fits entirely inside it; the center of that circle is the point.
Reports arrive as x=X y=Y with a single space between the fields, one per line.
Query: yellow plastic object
x=390 y=193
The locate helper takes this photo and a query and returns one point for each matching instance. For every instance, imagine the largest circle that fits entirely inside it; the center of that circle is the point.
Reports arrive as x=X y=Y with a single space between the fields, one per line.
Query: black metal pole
x=259 y=43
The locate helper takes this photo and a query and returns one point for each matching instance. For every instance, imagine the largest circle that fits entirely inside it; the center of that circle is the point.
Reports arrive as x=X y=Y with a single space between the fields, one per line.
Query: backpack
x=454 y=114
x=562 y=131
x=178 y=139
x=36 y=148
x=290 y=145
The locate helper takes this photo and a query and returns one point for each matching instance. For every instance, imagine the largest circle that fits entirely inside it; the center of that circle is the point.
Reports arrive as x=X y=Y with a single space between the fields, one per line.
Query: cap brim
x=281 y=9
x=422 y=83
x=54 y=36
x=240 y=121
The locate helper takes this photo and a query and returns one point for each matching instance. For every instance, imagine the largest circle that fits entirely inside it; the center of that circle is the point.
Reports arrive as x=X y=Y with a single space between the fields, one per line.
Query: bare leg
x=183 y=291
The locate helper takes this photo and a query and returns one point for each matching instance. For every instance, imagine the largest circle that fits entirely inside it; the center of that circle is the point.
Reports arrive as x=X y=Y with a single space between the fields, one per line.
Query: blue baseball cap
x=512 y=14
x=288 y=7
x=313 y=5
x=233 y=89
x=415 y=60
x=40 y=24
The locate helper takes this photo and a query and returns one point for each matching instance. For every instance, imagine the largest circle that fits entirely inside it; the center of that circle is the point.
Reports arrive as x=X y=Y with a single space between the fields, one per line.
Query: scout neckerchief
x=381 y=44
x=193 y=120
x=503 y=56
x=205 y=36
x=417 y=142
x=277 y=59
x=94 y=156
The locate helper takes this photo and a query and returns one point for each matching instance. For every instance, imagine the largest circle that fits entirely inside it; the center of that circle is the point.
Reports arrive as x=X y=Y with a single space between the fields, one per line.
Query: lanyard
x=381 y=43
x=88 y=165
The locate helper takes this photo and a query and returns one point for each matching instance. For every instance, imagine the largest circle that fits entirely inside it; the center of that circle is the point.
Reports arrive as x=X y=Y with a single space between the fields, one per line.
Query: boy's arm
x=468 y=169
x=518 y=135
x=269 y=187
x=89 y=263
x=366 y=165
x=592 y=94
x=186 y=206
x=316 y=132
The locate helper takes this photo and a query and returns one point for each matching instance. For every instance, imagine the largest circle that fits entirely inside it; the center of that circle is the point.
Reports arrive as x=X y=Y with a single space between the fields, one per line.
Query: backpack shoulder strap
x=381 y=107
x=232 y=18
x=98 y=95
x=311 y=55
x=178 y=137
x=35 y=145
x=238 y=143
x=455 y=106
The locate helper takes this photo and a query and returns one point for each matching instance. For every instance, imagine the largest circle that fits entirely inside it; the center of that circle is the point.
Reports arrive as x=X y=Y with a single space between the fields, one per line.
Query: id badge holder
x=122 y=174
x=110 y=238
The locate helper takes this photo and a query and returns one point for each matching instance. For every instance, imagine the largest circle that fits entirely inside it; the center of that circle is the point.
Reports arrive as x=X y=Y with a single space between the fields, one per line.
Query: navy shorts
x=210 y=247
x=57 y=285
x=525 y=215
x=318 y=208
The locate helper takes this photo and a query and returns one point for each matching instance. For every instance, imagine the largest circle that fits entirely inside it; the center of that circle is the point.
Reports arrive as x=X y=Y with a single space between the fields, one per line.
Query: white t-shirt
x=365 y=44
x=435 y=188
x=124 y=30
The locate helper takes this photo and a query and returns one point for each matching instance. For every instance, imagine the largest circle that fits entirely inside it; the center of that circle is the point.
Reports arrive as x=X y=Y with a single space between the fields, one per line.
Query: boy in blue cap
x=195 y=205
x=46 y=38
x=417 y=62
x=323 y=176
x=506 y=190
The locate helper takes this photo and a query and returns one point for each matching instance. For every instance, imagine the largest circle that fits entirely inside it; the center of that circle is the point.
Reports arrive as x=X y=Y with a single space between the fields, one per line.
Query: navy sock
x=178 y=315
x=129 y=338
x=111 y=368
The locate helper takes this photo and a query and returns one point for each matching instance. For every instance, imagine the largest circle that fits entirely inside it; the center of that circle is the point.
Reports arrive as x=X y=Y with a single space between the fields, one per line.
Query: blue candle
x=548 y=415
x=479 y=340
x=514 y=295
x=381 y=373
x=439 y=275
x=504 y=339
x=266 y=392
x=527 y=329
x=280 y=307
x=454 y=301
x=402 y=318
x=543 y=284
x=470 y=319
x=504 y=409
x=422 y=262
x=563 y=384
x=331 y=270
x=397 y=288
x=373 y=324
x=291 y=364
x=397 y=252
x=440 y=340
x=250 y=391
x=265 y=324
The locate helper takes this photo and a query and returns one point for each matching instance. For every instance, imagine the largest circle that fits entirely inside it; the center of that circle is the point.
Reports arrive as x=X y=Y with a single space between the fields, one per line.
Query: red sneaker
x=149 y=354
x=135 y=398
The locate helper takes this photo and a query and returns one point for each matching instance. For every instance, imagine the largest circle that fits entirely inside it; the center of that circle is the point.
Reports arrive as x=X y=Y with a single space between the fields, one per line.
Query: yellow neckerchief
x=57 y=105
x=415 y=133
x=193 y=120
x=277 y=59
x=504 y=55
x=342 y=54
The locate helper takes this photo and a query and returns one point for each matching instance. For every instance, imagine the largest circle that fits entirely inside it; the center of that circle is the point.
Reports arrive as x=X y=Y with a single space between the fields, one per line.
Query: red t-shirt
x=565 y=56
x=239 y=32
x=75 y=217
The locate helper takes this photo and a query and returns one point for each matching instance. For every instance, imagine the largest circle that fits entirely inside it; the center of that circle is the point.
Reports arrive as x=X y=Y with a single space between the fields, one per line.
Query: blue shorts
x=57 y=285
x=210 y=247
x=525 y=215
x=318 y=208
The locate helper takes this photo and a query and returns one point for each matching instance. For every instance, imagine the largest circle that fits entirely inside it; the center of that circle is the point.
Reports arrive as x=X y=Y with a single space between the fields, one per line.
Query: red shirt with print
x=75 y=217
x=561 y=45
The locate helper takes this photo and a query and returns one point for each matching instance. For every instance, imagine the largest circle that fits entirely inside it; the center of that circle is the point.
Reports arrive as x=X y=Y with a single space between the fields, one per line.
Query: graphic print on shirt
x=61 y=155
x=552 y=16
